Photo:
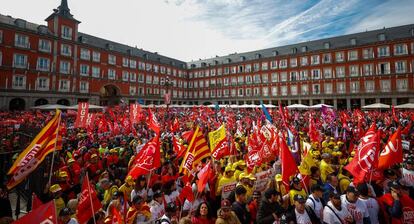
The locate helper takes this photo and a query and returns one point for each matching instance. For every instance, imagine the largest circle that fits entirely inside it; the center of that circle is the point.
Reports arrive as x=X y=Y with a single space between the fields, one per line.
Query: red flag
x=147 y=159
x=178 y=148
x=203 y=177
x=392 y=152
x=112 y=114
x=45 y=213
x=153 y=122
x=116 y=217
x=175 y=125
x=313 y=132
x=134 y=112
x=366 y=156
x=186 y=193
x=289 y=167
x=89 y=203
x=90 y=121
x=394 y=116
x=83 y=110
x=36 y=202
x=116 y=129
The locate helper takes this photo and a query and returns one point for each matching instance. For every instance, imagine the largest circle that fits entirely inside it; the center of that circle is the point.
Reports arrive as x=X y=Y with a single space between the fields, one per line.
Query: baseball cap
x=299 y=198
x=225 y=203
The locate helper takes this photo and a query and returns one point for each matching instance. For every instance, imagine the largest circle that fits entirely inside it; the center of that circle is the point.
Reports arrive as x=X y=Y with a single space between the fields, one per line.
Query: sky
x=198 y=29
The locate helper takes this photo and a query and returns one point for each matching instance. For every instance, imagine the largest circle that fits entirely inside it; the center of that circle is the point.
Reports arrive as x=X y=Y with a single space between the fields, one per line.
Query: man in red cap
x=94 y=167
x=225 y=215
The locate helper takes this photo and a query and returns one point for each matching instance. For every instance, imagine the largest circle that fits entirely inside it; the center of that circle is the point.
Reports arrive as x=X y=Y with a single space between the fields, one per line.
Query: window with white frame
x=316 y=89
x=257 y=78
x=64 y=85
x=353 y=70
x=339 y=56
x=402 y=85
x=247 y=68
x=133 y=77
x=340 y=87
x=400 y=49
x=19 y=82
x=84 y=70
x=233 y=81
x=273 y=64
x=85 y=54
x=141 y=78
x=201 y=83
x=294 y=90
x=369 y=86
x=43 y=83
x=367 y=53
x=213 y=72
x=400 y=66
x=64 y=67
x=207 y=83
x=212 y=82
x=111 y=59
x=265 y=66
x=304 y=61
x=233 y=69
x=45 y=45
x=256 y=67
x=293 y=62
x=383 y=51
x=283 y=63
x=294 y=76
x=226 y=70
x=169 y=71
x=248 y=92
x=283 y=76
x=328 y=88
x=248 y=79
x=43 y=64
x=96 y=72
x=265 y=78
x=340 y=71
x=66 y=33
x=111 y=74
x=383 y=68
x=284 y=90
x=234 y=92
x=219 y=93
x=132 y=63
x=327 y=58
x=304 y=89
x=274 y=91
x=226 y=92
x=156 y=80
x=148 y=90
x=125 y=62
x=141 y=65
x=316 y=73
x=385 y=86
x=352 y=55
x=83 y=86
x=66 y=50
x=140 y=91
x=132 y=90
x=240 y=79
x=206 y=94
x=148 y=79
x=256 y=91
x=21 y=40
x=162 y=69
x=226 y=81
x=240 y=69
x=303 y=75
x=275 y=77
x=96 y=56
x=315 y=59
x=368 y=69
x=354 y=87
x=20 y=61
x=327 y=73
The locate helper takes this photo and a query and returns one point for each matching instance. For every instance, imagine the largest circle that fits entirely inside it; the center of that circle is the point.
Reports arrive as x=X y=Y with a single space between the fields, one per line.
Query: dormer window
x=294 y=50
x=258 y=56
x=20 y=23
x=242 y=58
x=66 y=33
x=327 y=45
x=275 y=53
x=109 y=47
x=304 y=49
x=228 y=60
x=353 y=41
x=381 y=37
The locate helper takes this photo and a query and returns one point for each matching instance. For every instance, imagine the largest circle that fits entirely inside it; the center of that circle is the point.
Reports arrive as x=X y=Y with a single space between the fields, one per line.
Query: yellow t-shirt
x=325 y=170
x=126 y=190
x=343 y=182
x=294 y=192
x=223 y=181
x=60 y=204
x=108 y=194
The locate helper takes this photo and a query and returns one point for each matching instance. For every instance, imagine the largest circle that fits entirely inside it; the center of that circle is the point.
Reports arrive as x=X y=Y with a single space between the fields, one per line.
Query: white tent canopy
x=51 y=107
x=377 y=106
x=405 y=106
x=297 y=106
x=320 y=106
x=91 y=106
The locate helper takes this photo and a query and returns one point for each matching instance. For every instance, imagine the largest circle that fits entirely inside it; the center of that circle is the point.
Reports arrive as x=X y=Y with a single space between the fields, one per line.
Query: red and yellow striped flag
x=197 y=150
x=43 y=144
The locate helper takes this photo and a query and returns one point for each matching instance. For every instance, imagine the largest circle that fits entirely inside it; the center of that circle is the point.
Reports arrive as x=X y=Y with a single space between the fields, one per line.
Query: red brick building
x=58 y=64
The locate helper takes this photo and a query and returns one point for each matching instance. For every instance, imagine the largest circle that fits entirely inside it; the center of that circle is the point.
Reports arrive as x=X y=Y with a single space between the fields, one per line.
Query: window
x=1 y=58
x=339 y=56
x=370 y=86
x=354 y=87
x=353 y=42
x=304 y=75
x=66 y=33
x=21 y=41
x=213 y=72
x=226 y=92
x=294 y=76
x=256 y=67
x=381 y=37
x=19 y=82
x=45 y=46
x=257 y=78
x=265 y=66
x=226 y=81
x=273 y=64
x=226 y=70
x=256 y=91
x=304 y=89
x=233 y=69
x=304 y=49
x=327 y=45
x=353 y=70
x=141 y=78
x=283 y=76
x=400 y=49
x=265 y=91
x=248 y=68
x=96 y=56
x=402 y=85
x=352 y=55
x=327 y=73
x=201 y=83
x=233 y=81
x=133 y=76
x=84 y=70
x=140 y=91
x=66 y=50
x=265 y=78
x=284 y=90
x=20 y=61
x=42 y=83
x=368 y=69
x=367 y=53
x=1 y=36
x=316 y=74
x=84 y=87
x=294 y=90
x=315 y=59
x=293 y=62
x=148 y=79
x=240 y=79
x=274 y=77
x=125 y=76
x=400 y=66
x=96 y=72
x=248 y=92
x=316 y=89
x=206 y=94
x=141 y=65
x=340 y=72
x=111 y=74
x=274 y=91
x=383 y=51
x=283 y=63
x=383 y=68
x=125 y=62
x=233 y=92
x=340 y=87
x=43 y=64
x=64 y=67
x=326 y=58
x=304 y=61
x=385 y=85
x=85 y=54
x=132 y=90
x=111 y=59
x=328 y=88
x=162 y=69
x=64 y=85
x=156 y=68
x=132 y=64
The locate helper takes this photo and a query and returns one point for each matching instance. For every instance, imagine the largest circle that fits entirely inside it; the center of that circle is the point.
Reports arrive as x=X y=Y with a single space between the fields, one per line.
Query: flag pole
x=54 y=149
x=90 y=198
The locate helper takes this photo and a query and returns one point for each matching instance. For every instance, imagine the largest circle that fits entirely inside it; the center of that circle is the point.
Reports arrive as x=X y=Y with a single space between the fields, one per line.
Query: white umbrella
x=51 y=107
x=405 y=106
x=297 y=106
x=91 y=106
x=377 y=106
x=320 y=106
x=268 y=105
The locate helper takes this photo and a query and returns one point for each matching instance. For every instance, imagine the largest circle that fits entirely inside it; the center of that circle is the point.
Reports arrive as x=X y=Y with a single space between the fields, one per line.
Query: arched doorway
x=17 y=104
x=40 y=102
x=110 y=95
x=64 y=102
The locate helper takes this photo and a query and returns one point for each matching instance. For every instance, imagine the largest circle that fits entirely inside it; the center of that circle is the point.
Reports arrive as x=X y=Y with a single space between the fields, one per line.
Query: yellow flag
x=306 y=164
x=217 y=136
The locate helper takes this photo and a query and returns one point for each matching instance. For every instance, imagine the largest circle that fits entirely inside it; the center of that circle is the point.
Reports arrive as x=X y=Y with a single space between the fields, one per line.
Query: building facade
x=58 y=64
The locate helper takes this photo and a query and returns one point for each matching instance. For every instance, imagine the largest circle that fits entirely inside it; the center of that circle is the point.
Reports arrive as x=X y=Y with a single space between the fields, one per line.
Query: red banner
x=134 y=112
x=45 y=213
x=147 y=159
x=89 y=203
x=81 y=117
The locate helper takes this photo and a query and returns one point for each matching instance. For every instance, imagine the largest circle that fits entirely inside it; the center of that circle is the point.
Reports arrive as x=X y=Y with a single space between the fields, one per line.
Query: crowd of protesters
x=327 y=196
